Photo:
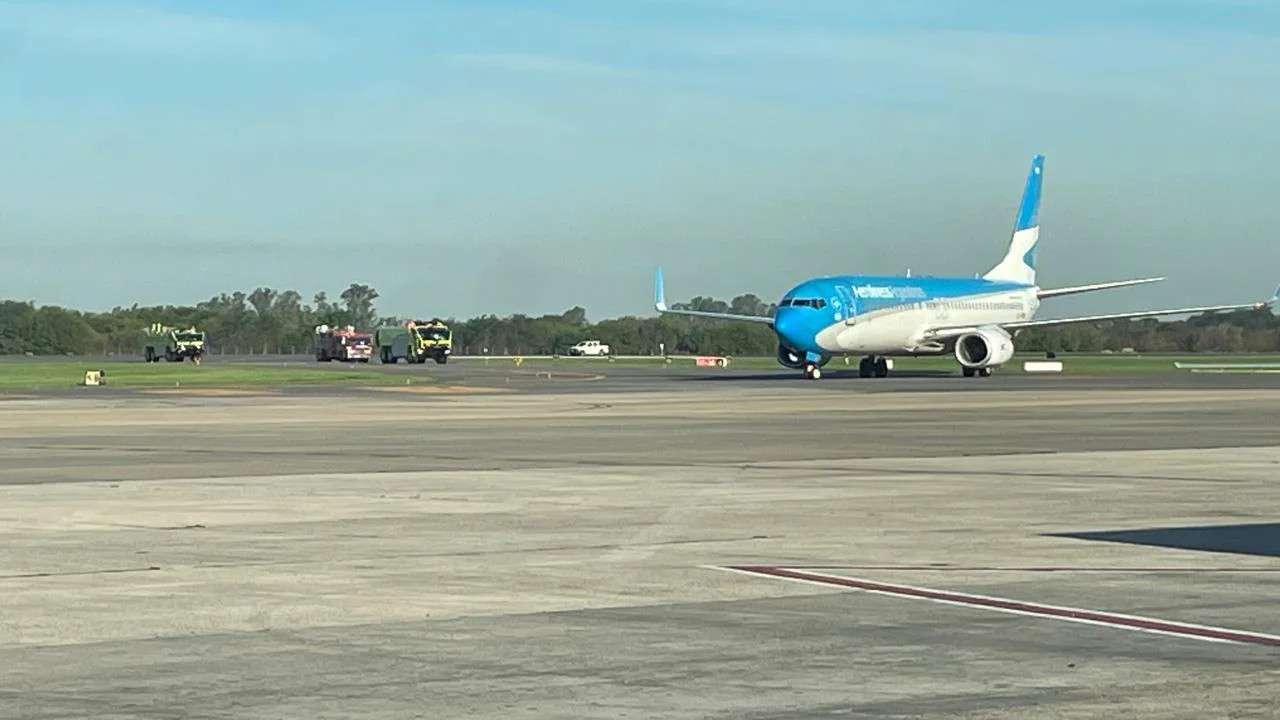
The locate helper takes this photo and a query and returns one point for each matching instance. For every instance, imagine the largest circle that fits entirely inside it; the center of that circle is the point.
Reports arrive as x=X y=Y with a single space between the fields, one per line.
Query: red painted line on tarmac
x=1129 y=622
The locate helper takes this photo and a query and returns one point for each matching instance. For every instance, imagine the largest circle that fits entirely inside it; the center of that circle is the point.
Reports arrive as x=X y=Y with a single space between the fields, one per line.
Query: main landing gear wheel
x=980 y=372
x=812 y=372
x=873 y=367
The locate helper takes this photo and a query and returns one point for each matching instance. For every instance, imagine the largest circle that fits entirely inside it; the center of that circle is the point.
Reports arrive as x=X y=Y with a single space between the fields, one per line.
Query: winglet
x=659 y=294
x=1275 y=298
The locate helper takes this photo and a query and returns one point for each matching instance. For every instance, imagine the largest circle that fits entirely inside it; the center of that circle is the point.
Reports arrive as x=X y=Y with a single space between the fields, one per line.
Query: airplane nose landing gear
x=813 y=363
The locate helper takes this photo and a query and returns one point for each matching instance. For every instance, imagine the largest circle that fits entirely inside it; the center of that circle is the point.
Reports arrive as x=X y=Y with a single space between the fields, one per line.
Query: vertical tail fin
x=1019 y=265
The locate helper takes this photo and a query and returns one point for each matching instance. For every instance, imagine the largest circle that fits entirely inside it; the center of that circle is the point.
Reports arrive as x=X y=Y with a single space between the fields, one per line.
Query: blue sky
x=468 y=157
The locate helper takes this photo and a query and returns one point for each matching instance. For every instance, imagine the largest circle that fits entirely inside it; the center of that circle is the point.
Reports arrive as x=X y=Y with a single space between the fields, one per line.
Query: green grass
x=18 y=376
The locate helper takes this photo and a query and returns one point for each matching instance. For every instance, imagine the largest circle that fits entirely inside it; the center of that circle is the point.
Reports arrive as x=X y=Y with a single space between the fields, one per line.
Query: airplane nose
x=789 y=328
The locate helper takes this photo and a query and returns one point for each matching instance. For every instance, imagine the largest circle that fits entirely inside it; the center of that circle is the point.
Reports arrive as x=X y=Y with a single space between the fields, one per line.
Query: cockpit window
x=818 y=303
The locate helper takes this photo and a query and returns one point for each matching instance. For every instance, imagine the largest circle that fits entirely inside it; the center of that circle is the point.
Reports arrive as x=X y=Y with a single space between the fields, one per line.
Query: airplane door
x=848 y=309
x=941 y=312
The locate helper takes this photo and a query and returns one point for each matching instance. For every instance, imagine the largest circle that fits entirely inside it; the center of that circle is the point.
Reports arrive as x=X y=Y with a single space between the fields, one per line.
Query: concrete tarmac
x=543 y=553
x=593 y=375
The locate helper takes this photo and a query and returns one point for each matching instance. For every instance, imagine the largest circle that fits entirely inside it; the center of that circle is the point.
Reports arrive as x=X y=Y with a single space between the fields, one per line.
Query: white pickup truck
x=589 y=347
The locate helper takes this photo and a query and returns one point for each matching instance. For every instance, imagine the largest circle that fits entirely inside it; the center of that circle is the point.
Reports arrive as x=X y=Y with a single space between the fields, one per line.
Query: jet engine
x=984 y=348
x=789 y=358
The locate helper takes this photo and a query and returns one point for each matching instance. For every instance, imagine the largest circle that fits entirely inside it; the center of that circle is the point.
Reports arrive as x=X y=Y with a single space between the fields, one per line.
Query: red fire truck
x=342 y=343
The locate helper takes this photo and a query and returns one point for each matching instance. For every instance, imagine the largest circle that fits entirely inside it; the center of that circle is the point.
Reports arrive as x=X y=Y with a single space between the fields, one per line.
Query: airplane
x=975 y=319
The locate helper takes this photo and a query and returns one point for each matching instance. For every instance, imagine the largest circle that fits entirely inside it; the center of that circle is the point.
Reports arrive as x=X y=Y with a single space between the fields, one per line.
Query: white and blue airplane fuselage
x=886 y=316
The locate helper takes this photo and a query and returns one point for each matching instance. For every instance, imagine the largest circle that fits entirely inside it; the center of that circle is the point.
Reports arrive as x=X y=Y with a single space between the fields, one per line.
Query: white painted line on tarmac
x=1206 y=633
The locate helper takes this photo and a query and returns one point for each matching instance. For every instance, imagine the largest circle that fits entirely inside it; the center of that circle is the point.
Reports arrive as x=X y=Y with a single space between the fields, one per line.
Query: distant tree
x=703 y=304
x=359 y=299
x=269 y=320
x=748 y=305
x=575 y=316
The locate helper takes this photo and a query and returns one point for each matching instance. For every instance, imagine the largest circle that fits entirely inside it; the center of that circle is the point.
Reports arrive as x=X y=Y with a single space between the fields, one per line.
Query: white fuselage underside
x=900 y=329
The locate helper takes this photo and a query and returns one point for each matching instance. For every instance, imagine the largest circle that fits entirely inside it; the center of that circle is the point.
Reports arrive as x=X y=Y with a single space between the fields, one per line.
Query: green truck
x=173 y=344
x=415 y=341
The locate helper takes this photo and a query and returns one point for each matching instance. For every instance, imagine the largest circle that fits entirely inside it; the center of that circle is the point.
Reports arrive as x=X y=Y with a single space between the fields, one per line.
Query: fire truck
x=173 y=344
x=342 y=343
x=415 y=341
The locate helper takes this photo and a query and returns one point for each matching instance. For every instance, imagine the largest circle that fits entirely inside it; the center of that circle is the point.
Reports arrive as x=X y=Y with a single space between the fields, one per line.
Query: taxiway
x=575 y=548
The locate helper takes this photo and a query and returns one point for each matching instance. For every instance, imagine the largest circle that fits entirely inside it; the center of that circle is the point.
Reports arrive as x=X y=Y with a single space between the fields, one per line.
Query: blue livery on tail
x=975 y=319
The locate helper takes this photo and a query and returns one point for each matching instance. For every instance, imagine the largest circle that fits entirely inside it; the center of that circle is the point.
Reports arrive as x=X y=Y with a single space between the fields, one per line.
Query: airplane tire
x=881 y=367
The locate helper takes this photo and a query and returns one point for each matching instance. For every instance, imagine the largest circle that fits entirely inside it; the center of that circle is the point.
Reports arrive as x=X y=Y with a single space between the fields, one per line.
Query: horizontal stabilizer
x=1077 y=289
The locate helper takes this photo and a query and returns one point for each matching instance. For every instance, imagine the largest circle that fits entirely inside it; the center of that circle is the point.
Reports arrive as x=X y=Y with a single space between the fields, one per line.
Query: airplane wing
x=660 y=303
x=945 y=332
x=1058 y=292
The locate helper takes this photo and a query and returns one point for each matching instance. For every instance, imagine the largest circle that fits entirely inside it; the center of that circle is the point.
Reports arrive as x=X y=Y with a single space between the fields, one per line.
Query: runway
x=576 y=548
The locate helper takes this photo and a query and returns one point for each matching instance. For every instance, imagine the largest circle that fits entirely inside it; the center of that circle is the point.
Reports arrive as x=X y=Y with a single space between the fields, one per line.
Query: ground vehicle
x=589 y=347
x=173 y=344
x=342 y=343
x=415 y=341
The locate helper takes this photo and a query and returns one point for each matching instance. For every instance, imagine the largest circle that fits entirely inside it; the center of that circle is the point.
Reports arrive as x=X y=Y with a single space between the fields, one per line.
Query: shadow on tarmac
x=1251 y=539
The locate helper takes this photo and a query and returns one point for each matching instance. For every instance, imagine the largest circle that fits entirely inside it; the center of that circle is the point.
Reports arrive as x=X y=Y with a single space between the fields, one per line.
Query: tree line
x=268 y=321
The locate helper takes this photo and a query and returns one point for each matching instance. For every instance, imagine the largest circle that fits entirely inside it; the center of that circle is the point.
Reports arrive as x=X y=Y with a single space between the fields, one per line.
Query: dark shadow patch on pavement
x=1249 y=539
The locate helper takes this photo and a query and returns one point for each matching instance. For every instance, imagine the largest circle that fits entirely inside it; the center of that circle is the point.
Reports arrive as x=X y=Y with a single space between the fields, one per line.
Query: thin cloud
x=541 y=64
x=130 y=28
x=1099 y=63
